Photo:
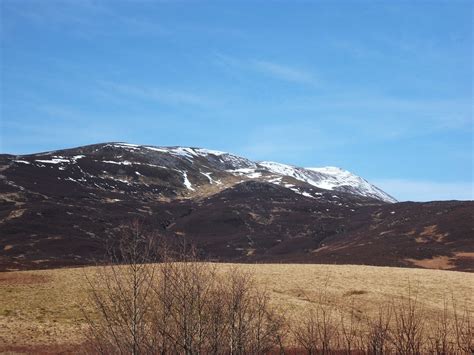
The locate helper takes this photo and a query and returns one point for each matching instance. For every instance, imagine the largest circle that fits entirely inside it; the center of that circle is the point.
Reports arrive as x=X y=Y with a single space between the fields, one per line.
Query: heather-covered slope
x=58 y=208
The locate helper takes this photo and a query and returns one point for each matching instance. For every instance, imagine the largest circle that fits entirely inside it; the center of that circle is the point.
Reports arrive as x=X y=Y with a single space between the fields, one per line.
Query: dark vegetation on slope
x=62 y=213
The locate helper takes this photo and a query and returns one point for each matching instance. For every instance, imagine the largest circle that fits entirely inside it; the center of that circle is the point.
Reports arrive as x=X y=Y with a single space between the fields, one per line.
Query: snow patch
x=53 y=161
x=124 y=162
x=161 y=150
x=205 y=152
x=76 y=157
x=122 y=180
x=247 y=172
x=276 y=181
x=187 y=183
x=127 y=145
x=242 y=171
x=184 y=152
x=211 y=180
x=254 y=175
x=303 y=193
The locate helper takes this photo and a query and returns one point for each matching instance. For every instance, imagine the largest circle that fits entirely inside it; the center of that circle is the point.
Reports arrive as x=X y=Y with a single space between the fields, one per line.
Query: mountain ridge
x=326 y=178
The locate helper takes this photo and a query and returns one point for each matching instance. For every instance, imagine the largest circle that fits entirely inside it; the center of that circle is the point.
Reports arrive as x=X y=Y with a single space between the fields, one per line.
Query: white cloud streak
x=157 y=94
x=284 y=72
x=80 y=18
x=272 y=69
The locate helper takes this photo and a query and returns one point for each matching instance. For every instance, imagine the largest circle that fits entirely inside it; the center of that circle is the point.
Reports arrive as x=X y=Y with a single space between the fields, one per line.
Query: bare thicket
x=148 y=300
x=177 y=305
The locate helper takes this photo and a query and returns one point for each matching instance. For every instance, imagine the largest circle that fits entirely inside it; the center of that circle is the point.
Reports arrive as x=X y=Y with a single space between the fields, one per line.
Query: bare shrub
x=253 y=325
x=377 y=339
x=306 y=333
x=350 y=329
x=441 y=339
x=318 y=331
x=463 y=329
x=407 y=335
x=183 y=305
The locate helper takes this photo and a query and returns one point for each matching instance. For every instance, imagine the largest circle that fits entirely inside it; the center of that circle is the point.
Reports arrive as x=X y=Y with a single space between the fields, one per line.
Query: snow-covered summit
x=334 y=178
x=329 y=178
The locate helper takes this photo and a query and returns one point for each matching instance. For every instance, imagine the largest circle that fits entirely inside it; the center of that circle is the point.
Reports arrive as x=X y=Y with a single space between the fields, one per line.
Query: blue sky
x=383 y=89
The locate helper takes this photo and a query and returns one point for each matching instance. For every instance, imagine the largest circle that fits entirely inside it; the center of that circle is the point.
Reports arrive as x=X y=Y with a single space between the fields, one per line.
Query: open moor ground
x=39 y=310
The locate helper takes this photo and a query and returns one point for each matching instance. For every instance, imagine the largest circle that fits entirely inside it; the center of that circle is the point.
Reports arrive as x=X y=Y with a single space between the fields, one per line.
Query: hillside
x=59 y=209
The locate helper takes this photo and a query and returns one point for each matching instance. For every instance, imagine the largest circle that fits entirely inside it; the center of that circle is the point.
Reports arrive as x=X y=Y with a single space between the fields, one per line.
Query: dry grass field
x=40 y=310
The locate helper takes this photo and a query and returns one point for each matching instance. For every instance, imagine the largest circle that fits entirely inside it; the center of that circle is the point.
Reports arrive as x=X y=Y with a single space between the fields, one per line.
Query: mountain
x=58 y=208
x=173 y=172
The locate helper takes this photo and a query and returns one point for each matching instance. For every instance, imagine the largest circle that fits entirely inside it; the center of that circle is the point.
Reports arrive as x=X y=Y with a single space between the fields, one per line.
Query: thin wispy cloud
x=382 y=115
x=156 y=94
x=81 y=19
x=60 y=112
x=270 y=69
x=357 y=50
x=284 y=72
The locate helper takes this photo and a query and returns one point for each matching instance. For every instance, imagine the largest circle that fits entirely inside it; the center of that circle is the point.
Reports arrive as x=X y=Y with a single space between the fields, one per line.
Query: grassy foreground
x=41 y=309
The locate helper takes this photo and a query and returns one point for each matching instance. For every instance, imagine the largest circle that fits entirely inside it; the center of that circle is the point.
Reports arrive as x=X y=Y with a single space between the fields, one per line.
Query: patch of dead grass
x=437 y=262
